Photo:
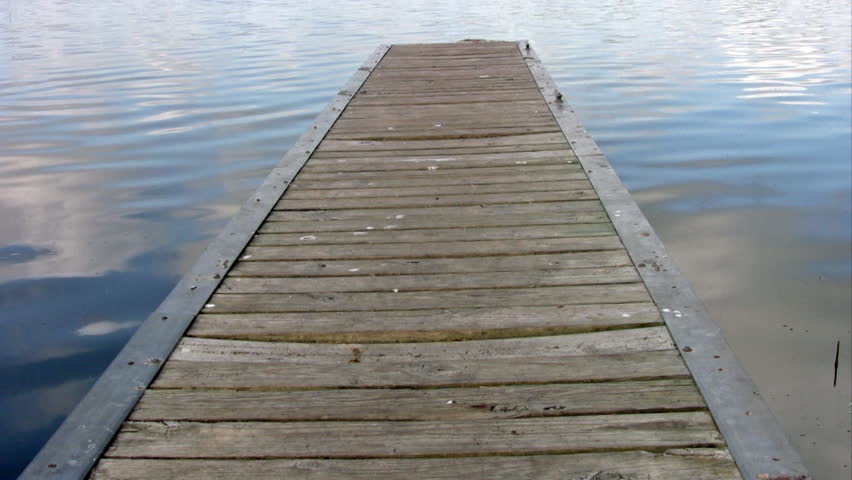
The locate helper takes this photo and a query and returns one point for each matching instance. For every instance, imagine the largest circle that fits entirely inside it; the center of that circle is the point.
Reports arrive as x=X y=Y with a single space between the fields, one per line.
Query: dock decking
x=454 y=284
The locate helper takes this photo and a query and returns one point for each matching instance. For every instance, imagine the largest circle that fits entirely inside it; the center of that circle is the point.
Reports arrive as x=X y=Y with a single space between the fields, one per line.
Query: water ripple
x=130 y=130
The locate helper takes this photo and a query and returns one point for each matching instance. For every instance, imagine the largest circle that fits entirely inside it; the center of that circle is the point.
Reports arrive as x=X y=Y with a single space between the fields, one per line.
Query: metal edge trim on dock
x=759 y=446
x=78 y=443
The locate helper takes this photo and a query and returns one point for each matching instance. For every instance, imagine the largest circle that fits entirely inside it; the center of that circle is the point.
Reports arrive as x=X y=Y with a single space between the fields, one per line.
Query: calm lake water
x=130 y=131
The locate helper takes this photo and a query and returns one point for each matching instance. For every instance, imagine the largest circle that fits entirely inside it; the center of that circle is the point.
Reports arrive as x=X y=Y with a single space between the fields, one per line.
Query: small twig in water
x=836 y=358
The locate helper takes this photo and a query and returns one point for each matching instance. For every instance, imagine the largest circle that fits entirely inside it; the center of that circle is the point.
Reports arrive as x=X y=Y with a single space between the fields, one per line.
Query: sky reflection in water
x=130 y=131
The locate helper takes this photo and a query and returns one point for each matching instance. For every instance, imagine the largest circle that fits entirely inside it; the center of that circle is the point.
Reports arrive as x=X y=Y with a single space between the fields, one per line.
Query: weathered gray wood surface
x=440 y=280
x=692 y=464
x=473 y=248
x=437 y=172
x=357 y=439
x=436 y=200
x=519 y=401
x=612 y=342
x=425 y=325
x=420 y=374
x=575 y=206
x=471 y=178
x=277 y=222
x=226 y=302
x=554 y=186
x=411 y=266
x=382 y=233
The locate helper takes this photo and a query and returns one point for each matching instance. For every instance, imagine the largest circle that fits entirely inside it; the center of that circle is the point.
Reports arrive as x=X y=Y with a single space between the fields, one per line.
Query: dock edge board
x=757 y=442
x=77 y=445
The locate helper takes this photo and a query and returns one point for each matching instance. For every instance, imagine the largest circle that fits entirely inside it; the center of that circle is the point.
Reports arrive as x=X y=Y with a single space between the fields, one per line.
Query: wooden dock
x=454 y=284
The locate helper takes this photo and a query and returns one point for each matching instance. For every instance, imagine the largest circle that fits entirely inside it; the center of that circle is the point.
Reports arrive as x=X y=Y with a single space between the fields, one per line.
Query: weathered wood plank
x=692 y=464
x=418 y=77
x=402 y=300
x=421 y=49
x=444 y=63
x=444 y=99
x=442 y=151
x=470 y=178
x=426 y=200
x=558 y=157
x=501 y=67
x=519 y=107
x=481 y=248
x=454 y=98
x=425 y=172
x=490 y=53
x=483 y=52
x=525 y=93
x=411 y=439
x=421 y=373
x=480 y=74
x=469 y=72
x=390 y=233
x=432 y=122
x=419 y=265
x=608 y=342
x=464 y=49
x=463 y=166
x=456 y=55
x=478 y=224
x=532 y=210
x=432 y=282
x=435 y=89
x=556 y=186
x=518 y=401
x=434 y=133
x=437 y=122
x=467 y=161
x=396 y=145
x=425 y=325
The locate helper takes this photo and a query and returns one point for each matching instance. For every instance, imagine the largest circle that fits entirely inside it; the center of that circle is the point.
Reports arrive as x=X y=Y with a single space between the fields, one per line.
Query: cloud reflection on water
x=127 y=140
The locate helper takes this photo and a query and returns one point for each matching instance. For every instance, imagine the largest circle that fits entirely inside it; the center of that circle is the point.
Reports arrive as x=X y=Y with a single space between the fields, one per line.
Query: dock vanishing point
x=444 y=278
